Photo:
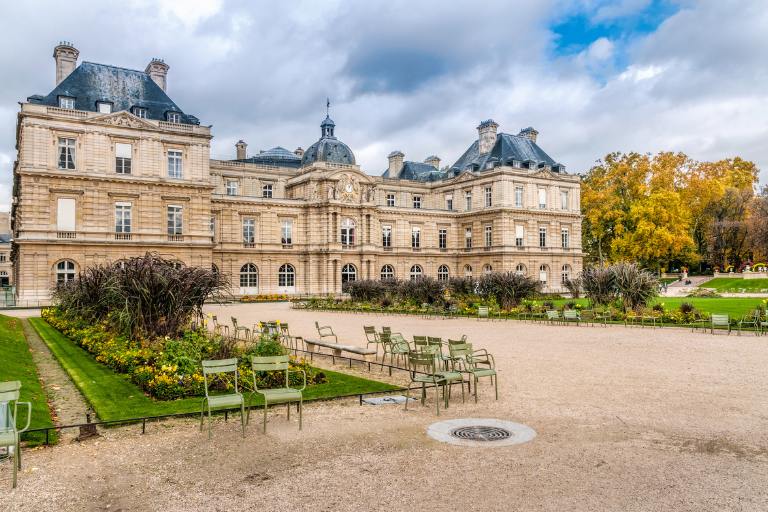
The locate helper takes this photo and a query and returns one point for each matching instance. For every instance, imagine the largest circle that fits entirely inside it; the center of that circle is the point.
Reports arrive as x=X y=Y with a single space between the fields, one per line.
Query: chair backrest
x=385 y=337
x=370 y=333
x=269 y=363
x=433 y=340
x=420 y=341
x=421 y=361
x=284 y=328
x=388 y=330
x=324 y=330
x=459 y=349
x=718 y=319
x=551 y=313
x=570 y=313
x=215 y=320
x=399 y=344
x=234 y=322
x=10 y=391
x=215 y=366
x=482 y=311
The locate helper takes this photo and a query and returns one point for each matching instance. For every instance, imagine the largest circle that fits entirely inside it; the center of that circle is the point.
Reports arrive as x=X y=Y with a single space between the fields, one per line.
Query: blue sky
x=592 y=76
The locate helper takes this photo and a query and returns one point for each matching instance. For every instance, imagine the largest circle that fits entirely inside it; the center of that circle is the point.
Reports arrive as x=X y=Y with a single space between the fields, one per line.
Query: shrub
x=364 y=290
x=635 y=285
x=462 y=285
x=422 y=290
x=599 y=285
x=687 y=308
x=703 y=292
x=507 y=288
x=574 y=287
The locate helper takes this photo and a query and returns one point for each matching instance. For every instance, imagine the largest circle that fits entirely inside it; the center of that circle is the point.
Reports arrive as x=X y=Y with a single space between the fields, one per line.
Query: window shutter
x=65 y=215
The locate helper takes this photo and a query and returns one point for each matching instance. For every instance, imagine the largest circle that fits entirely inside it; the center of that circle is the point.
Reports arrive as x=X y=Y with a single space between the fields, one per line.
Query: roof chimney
x=433 y=161
x=66 y=60
x=157 y=70
x=395 y=163
x=486 y=135
x=529 y=133
x=299 y=152
x=240 y=150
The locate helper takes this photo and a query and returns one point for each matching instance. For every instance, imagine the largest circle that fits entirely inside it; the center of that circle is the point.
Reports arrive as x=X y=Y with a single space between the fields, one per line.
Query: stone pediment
x=543 y=173
x=122 y=119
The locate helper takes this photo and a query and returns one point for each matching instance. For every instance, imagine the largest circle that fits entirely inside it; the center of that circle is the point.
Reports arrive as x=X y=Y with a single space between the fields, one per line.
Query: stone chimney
x=486 y=135
x=158 y=72
x=66 y=60
x=433 y=161
x=529 y=133
x=395 y=163
x=240 y=150
x=299 y=152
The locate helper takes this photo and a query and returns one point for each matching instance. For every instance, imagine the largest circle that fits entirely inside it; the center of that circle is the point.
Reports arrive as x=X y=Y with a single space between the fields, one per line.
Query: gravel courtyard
x=628 y=419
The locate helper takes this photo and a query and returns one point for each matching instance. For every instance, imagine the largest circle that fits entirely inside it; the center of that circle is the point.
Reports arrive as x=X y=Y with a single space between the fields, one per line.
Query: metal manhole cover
x=480 y=432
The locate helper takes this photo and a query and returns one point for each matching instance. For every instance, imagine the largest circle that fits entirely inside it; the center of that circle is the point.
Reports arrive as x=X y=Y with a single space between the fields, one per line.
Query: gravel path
x=628 y=419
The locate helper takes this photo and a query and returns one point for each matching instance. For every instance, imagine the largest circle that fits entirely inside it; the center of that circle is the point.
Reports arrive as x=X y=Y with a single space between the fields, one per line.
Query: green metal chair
x=419 y=342
x=216 y=367
x=470 y=362
x=240 y=328
x=571 y=315
x=284 y=395
x=717 y=321
x=371 y=337
x=385 y=338
x=750 y=320
x=219 y=329
x=553 y=316
x=482 y=312
x=9 y=413
x=423 y=371
x=326 y=331
x=290 y=341
x=399 y=348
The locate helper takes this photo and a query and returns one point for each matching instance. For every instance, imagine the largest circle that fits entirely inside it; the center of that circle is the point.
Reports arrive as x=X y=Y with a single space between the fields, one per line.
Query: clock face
x=348 y=188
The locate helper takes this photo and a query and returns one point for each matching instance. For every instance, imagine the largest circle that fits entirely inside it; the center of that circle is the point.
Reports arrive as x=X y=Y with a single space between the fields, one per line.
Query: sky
x=592 y=76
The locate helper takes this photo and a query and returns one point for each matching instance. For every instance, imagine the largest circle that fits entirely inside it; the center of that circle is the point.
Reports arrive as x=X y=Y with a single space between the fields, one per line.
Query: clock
x=348 y=188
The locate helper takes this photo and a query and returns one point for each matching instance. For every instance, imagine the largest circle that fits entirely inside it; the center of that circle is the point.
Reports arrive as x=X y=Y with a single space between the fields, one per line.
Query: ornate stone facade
x=277 y=222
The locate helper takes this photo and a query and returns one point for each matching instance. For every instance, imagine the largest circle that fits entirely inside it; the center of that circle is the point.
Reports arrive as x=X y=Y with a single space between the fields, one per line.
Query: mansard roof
x=417 y=171
x=278 y=156
x=90 y=83
x=507 y=148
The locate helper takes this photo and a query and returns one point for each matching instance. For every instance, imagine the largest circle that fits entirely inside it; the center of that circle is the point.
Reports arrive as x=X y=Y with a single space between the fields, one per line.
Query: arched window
x=214 y=268
x=249 y=276
x=348 y=273
x=65 y=271
x=348 y=232
x=442 y=273
x=387 y=272
x=487 y=269
x=521 y=270
x=286 y=276
x=543 y=274
x=467 y=270
x=416 y=272
x=566 y=274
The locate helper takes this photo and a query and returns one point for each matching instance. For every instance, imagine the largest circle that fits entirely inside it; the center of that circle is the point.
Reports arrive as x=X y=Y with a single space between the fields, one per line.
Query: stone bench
x=338 y=348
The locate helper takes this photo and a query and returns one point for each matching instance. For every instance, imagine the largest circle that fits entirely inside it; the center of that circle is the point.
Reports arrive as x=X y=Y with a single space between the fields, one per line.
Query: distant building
x=110 y=167
x=6 y=268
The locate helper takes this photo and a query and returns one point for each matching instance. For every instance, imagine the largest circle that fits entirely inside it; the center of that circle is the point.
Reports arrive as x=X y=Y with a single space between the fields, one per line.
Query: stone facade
x=278 y=222
x=6 y=267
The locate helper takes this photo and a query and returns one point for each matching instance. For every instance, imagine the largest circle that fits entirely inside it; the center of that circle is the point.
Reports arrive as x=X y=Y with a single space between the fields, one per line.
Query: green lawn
x=735 y=285
x=16 y=363
x=114 y=397
x=736 y=307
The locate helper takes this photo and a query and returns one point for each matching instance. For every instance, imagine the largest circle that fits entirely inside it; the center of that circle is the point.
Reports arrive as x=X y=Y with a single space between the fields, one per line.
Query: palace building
x=110 y=167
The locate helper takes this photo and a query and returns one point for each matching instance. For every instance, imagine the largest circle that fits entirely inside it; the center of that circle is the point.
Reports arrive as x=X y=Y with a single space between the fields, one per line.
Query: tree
x=757 y=225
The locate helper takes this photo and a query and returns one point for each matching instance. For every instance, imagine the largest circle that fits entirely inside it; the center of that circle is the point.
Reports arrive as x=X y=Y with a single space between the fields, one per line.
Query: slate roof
x=5 y=238
x=125 y=88
x=276 y=156
x=507 y=148
x=417 y=171
x=328 y=148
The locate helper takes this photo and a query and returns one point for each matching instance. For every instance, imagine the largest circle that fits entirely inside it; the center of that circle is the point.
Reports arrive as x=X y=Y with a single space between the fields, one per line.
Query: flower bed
x=274 y=297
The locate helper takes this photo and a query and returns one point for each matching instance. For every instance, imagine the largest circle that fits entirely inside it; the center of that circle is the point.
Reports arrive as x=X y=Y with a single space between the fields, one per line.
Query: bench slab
x=338 y=347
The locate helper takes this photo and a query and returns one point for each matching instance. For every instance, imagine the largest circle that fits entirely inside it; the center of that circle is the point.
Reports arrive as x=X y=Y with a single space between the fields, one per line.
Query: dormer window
x=67 y=102
x=173 y=117
x=531 y=165
x=104 y=107
x=140 y=112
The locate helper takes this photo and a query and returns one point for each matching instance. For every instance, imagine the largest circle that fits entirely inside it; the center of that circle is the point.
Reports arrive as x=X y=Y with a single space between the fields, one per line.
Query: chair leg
x=16 y=462
x=475 y=389
x=265 y=415
x=289 y=410
x=242 y=417
x=496 y=384
x=301 y=406
x=210 y=423
x=407 y=396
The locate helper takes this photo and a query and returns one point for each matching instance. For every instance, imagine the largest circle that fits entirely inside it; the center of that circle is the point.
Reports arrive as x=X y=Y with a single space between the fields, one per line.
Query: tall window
x=542 y=237
x=348 y=273
x=140 y=112
x=415 y=237
x=123 y=154
x=65 y=214
x=174 y=220
x=468 y=198
x=520 y=269
x=565 y=275
x=487 y=269
x=488 y=236
x=390 y=199
x=212 y=225
x=488 y=197
x=348 y=232
x=232 y=186
x=286 y=237
x=386 y=236
x=286 y=276
x=174 y=164
x=449 y=202
x=249 y=231
x=468 y=238
x=564 y=199
x=173 y=117
x=417 y=201
x=564 y=237
x=66 y=102
x=442 y=238
x=519 y=236
x=3 y=257
x=468 y=271
x=122 y=217
x=543 y=274
x=66 y=153
x=249 y=276
x=519 y=197
x=266 y=191
x=542 y=198
x=65 y=271
x=442 y=273
x=387 y=272
x=416 y=272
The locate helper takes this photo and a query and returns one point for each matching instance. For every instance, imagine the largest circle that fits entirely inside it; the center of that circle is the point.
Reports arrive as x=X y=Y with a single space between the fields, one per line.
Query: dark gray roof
x=276 y=156
x=328 y=148
x=507 y=148
x=5 y=238
x=417 y=171
x=124 y=88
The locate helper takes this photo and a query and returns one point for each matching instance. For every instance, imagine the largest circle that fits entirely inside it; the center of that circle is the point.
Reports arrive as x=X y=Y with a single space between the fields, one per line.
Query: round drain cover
x=480 y=432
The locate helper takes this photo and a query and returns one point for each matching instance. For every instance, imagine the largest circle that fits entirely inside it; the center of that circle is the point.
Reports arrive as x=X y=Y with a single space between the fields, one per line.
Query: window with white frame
x=175 y=220
x=565 y=274
x=348 y=232
x=417 y=201
x=519 y=197
x=66 y=102
x=564 y=237
x=416 y=272
x=443 y=273
x=286 y=237
x=65 y=214
x=387 y=272
x=266 y=191
x=488 y=197
x=65 y=271
x=66 y=153
x=175 y=169
x=449 y=202
x=468 y=238
x=123 y=154
x=390 y=199
x=141 y=112
x=122 y=217
x=487 y=269
x=386 y=236
x=520 y=269
x=468 y=198
x=442 y=238
x=173 y=117
x=542 y=198
x=249 y=231
x=286 y=276
x=415 y=237
x=488 y=236
x=468 y=271
x=519 y=236
x=104 y=107
x=564 y=199
x=348 y=273
x=249 y=276
x=543 y=270
x=232 y=187
x=542 y=237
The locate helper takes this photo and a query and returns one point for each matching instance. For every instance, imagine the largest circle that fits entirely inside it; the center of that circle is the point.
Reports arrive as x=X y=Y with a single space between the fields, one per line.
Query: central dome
x=328 y=148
